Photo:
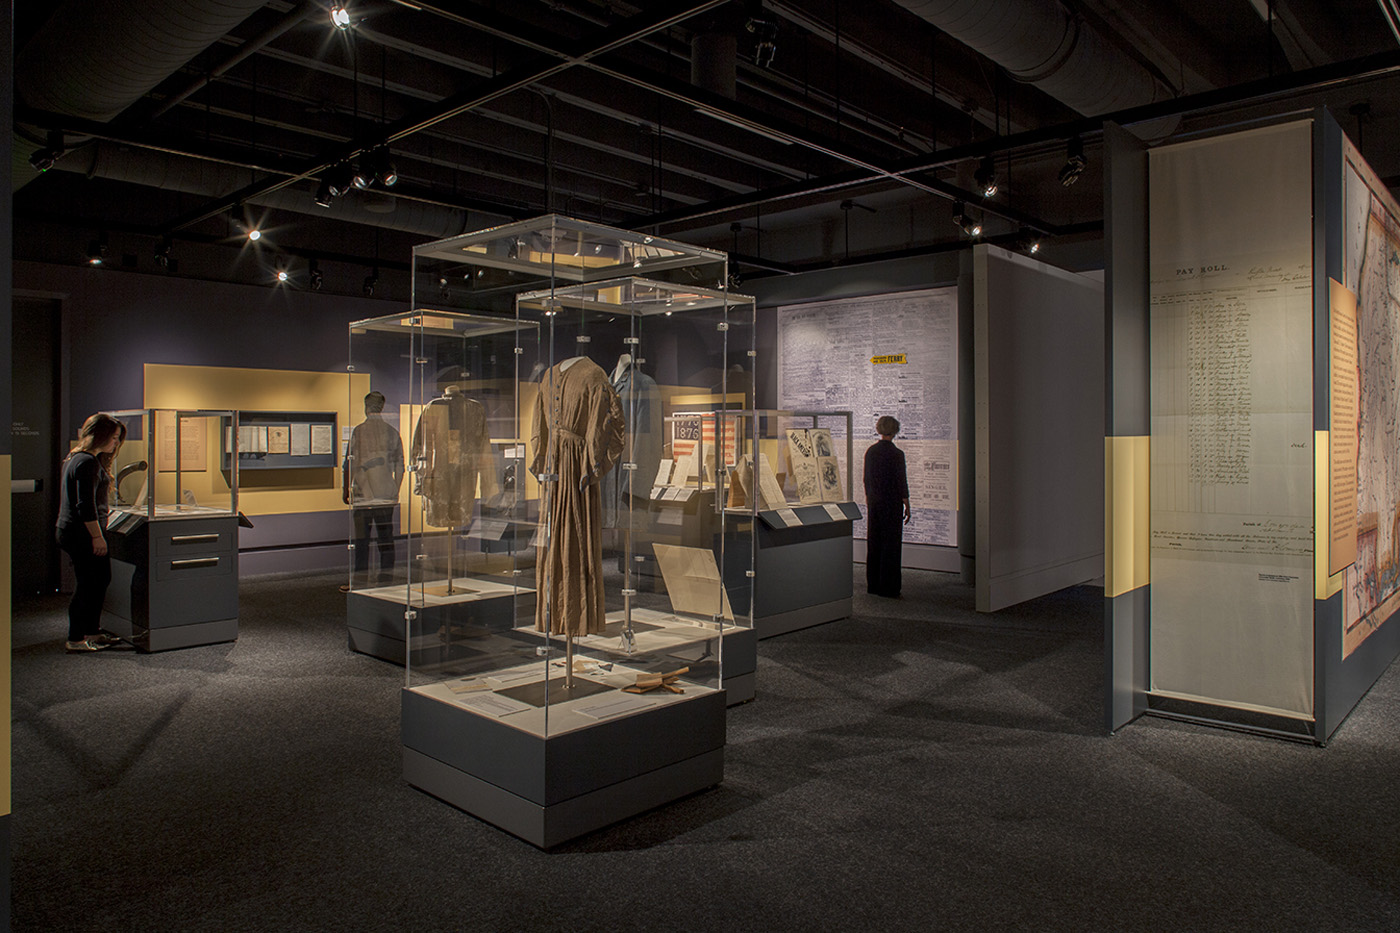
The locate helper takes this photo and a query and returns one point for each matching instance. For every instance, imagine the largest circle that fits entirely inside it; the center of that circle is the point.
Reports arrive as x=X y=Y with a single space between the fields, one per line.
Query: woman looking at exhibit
x=886 y=510
x=82 y=516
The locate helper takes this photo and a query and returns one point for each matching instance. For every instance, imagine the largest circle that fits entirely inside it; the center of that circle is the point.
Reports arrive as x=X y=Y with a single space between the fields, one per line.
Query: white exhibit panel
x=1039 y=367
x=894 y=354
x=600 y=591
x=1232 y=445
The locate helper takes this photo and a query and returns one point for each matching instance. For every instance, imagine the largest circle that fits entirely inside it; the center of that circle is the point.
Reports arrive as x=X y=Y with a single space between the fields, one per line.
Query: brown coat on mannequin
x=451 y=451
x=578 y=436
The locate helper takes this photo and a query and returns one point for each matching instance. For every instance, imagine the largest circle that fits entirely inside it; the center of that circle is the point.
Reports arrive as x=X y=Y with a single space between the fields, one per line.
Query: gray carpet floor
x=914 y=767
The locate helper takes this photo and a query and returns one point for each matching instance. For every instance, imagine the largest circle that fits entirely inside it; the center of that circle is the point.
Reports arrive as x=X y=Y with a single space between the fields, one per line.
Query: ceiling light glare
x=340 y=16
x=282 y=275
x=254 y=234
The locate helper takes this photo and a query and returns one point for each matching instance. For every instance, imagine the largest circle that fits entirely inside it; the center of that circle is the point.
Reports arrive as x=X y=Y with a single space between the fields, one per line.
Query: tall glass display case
x=430 y=471
x=172 y=531
x=607 y=697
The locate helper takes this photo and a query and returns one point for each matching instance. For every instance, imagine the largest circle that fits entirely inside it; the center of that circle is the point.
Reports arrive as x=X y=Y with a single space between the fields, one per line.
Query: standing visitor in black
x=886 y=510
x=82 y=517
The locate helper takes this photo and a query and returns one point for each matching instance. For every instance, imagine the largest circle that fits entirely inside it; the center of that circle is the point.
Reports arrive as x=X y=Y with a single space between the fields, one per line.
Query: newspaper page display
x=893 y=354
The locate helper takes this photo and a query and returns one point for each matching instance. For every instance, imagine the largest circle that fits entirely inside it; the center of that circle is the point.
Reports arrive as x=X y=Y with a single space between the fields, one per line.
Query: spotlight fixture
x=340 y=16
x=371 y=281
x=765 y=34
x=43 y=159
x=965 y=223
x=282 y=276
x=1074 y=162
x=323 y=194
x=339 y=178
x=986 y=177
x=383 y=166
x=313 y=276
x=254 y=234
x=361 y=177
x=163 y=250
x=97 y=251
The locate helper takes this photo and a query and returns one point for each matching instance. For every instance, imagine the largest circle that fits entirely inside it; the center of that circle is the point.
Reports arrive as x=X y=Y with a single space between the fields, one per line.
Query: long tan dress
x=578 y=436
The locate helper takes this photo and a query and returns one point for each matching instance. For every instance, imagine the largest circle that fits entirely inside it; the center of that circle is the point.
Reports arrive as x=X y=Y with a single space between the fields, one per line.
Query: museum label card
x=789 y=517
x=835 y=512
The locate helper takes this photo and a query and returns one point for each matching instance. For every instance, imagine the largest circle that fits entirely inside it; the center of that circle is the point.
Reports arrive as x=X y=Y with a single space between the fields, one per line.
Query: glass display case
x=796 y=479
x=431 y=473
x=630 y=638
x=172 y=531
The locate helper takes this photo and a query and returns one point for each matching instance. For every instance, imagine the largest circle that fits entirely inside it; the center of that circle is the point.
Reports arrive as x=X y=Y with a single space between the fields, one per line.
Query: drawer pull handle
x=194 y=539
x=194 y=562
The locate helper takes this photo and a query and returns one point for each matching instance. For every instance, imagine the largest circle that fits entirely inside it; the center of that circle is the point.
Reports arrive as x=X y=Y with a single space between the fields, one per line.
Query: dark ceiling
x=793 y=134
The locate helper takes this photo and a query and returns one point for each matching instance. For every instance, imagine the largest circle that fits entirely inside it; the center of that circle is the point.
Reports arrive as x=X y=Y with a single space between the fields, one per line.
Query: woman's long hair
x=95 y=433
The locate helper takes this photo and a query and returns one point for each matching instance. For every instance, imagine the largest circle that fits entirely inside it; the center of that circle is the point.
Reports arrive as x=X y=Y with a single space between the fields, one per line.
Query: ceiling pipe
x=92 y=59
x=174 y=172
x=515 y=79
x=1042 y=43
x=1313 y=80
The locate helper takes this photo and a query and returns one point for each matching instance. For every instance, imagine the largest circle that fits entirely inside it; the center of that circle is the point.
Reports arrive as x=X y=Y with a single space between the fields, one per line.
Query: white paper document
x=322 y=439
x=300 y=439
x=613 y=706
x=493 y=704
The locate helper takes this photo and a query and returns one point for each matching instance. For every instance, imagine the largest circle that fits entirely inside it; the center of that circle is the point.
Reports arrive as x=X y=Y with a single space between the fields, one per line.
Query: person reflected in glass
x=372 y=475
x=84 y=493
x=886 y=510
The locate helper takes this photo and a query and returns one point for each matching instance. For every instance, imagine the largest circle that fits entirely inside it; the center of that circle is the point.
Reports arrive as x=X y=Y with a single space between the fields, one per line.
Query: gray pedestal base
x=550 y=826
x=376 y=626
x=550 y=789
x=803 y=572
x=783 y=622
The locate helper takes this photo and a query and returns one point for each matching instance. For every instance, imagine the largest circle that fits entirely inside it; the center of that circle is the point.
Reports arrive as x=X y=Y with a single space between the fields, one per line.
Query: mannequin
x=576 y=440
x=451 y=454
x=641 y=407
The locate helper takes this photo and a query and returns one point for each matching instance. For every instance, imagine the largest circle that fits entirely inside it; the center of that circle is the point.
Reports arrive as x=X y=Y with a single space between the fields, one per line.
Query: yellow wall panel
x=7 y=596
x=219 y=387
x=1127 y=514
x=1327 y=587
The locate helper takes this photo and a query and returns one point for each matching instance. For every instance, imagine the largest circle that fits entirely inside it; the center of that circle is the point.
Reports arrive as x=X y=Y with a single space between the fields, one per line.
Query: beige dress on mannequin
x=578 y=436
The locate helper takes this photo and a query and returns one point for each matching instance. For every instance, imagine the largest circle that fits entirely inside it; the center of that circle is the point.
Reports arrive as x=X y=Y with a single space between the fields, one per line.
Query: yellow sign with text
x=890 y=358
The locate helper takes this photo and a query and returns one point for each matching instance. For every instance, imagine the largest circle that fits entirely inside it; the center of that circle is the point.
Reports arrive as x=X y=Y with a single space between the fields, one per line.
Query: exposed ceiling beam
x=507 y=82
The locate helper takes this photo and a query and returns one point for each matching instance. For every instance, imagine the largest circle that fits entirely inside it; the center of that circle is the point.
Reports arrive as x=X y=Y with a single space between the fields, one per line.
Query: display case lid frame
x=636 y=295
x=616 y=249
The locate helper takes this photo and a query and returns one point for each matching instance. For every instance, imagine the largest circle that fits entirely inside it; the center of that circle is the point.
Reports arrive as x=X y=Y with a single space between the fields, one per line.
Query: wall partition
x=1272 y=500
